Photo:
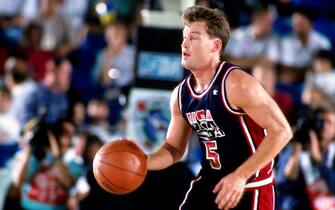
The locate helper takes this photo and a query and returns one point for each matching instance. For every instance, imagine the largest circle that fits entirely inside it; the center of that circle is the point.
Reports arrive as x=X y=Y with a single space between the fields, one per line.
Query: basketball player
x=240 y=128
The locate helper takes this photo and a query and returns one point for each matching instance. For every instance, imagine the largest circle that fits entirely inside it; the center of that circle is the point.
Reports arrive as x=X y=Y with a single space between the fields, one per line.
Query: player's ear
x=217 y=44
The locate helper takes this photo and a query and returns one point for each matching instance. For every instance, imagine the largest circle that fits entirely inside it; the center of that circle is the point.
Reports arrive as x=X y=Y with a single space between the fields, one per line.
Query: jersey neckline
x=200 y=95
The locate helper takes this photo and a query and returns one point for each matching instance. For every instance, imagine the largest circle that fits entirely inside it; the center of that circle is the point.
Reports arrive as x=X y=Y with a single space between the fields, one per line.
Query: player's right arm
x=178 y=134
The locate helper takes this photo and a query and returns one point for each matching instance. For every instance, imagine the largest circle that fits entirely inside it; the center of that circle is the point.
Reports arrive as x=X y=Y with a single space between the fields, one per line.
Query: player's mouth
x=186 y=54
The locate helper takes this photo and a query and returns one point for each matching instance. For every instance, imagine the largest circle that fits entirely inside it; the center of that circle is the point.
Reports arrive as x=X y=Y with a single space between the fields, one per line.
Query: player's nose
x=184 y=43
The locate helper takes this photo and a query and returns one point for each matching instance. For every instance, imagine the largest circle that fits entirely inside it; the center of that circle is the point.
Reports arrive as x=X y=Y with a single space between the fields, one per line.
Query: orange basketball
x=120 y=166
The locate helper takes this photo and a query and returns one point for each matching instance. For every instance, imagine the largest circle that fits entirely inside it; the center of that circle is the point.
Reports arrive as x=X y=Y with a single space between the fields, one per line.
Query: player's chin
x=185 y=64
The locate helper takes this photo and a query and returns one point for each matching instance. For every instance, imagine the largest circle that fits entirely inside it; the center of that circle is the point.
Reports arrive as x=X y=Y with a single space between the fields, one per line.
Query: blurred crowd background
x=68 y=67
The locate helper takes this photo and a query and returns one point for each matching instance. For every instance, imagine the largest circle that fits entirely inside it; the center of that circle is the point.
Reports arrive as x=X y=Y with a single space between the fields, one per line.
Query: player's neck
x=204 y=76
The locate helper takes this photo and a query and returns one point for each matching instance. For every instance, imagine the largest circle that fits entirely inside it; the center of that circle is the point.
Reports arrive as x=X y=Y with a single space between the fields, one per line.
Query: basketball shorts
x=200 y=196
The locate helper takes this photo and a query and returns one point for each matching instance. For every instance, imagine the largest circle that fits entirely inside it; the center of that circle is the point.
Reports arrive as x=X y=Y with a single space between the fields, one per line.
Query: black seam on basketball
x=126 y=170
x=115 y=185
x=135 y=153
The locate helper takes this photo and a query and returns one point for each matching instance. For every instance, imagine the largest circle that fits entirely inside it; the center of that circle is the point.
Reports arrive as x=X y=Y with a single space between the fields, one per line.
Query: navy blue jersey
x=228 y=137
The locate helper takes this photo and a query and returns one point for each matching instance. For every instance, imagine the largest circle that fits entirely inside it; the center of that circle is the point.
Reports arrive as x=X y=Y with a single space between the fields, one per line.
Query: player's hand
x=229 y=191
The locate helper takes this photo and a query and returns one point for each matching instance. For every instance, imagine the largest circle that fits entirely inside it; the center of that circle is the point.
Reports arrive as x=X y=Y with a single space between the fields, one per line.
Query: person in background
x=9 y=127
x=83 y=194
x=309 y=161
x=31 y=47
x=114 y=66
x=266 y=74
x=98 y=113
x=297 y=49
x=254 y=43
x=51 y=101
x=314 y=97
x=57 y=35
x=22 y=89
x=78 y=116
x=75 y=11
x=322 y=75
x=41 y=174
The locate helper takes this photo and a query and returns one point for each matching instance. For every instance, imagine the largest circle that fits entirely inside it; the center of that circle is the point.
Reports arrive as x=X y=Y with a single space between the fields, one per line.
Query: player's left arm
x=245 y=93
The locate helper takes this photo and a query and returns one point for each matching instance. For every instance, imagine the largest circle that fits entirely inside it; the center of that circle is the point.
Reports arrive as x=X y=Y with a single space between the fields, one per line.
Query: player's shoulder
x=175 y=91
x=239 y=79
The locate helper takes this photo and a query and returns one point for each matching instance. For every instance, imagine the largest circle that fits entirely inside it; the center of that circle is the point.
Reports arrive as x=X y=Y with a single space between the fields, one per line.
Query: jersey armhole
x=226 y=103
x=180 y=87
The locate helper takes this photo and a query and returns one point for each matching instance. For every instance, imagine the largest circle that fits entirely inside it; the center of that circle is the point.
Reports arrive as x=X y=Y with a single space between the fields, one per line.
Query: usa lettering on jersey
x=203 y=124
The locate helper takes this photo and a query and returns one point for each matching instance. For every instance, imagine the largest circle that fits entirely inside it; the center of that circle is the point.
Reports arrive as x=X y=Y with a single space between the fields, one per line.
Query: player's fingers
x=233 y=201
x=222 y=204
x=218 y=187
x=221 y=194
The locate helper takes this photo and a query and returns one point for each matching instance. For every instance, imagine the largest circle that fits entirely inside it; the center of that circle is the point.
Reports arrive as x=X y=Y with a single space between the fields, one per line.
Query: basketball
x=120 y=167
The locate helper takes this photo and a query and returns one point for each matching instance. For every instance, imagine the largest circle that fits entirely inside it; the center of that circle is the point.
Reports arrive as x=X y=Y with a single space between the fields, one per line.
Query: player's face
x=196 y=46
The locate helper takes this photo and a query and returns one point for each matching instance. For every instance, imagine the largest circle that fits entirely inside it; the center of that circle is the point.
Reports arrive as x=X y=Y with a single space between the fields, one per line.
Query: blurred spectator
x=314 y=97
x=76 y=151
x=65 y=131
x=75 y=11
x=86 y=146
x=98 y=112
x=298 y=49
x=114 y=66
x=42 y=175
x=57 y=33
x=21 y=87
x=9 y=127
x=10 y=12
x=306 y=167
x=51 y=101
x=79 y=116
x=322 y=75
x=30 y=10
x=254 y=43
x=57 y=83
x=266 y=75
x=31 y=47
x=126 y=11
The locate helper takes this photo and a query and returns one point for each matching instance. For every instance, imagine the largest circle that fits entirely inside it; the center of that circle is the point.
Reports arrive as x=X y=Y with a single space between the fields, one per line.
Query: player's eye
x=193 y=38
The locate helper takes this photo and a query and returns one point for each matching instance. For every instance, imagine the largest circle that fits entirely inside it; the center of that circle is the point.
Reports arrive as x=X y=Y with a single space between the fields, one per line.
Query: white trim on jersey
x=261 y=183
x=273 y=197
x=179 y=94
x=255 y=201
x=223 y=93
x=198 y=96
x=188 y=191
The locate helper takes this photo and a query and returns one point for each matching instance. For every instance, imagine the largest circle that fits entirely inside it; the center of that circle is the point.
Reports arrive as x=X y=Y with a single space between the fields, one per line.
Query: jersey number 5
x=212 y=155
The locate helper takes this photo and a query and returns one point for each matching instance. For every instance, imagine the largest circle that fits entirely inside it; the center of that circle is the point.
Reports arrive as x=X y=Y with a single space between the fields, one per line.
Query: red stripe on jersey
x=257 y=136
x=256 y=131
x=266 y=198
x=247 y=136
